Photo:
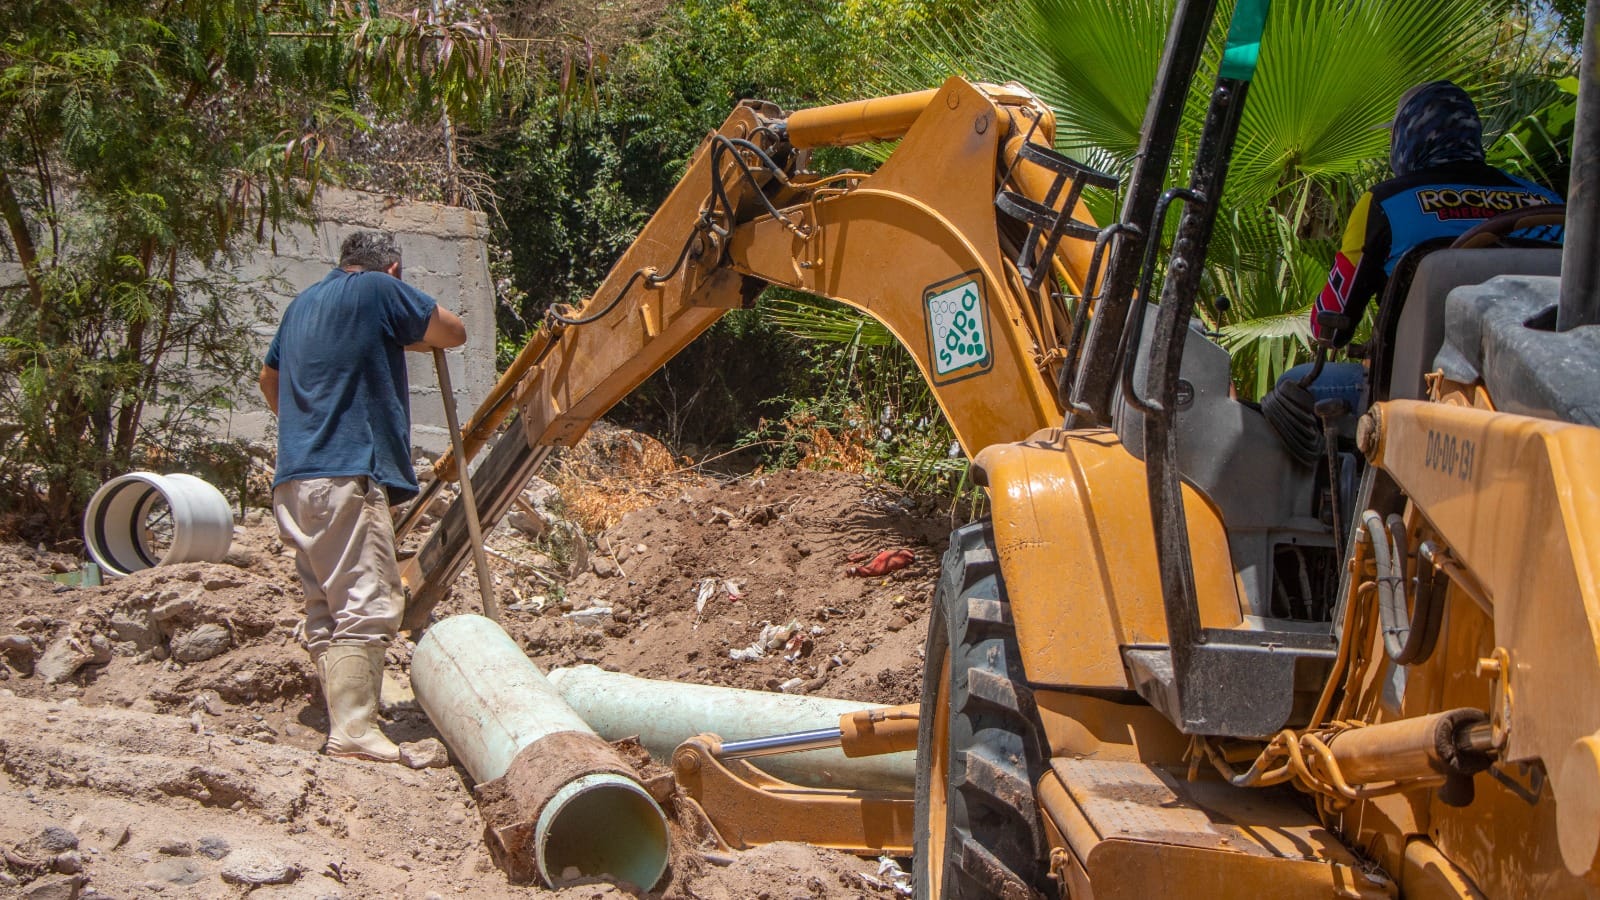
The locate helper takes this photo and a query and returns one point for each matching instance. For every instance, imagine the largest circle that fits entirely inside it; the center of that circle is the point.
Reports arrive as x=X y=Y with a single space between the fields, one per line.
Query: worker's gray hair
x=373 y=251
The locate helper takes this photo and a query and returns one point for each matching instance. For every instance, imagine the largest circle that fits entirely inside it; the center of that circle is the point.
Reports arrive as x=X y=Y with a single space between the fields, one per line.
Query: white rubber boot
x=352 y=675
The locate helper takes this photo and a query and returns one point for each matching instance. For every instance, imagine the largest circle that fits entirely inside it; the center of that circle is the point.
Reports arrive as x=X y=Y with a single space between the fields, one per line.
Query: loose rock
x=428 y=753
x=71 y=652
x=135 y=625
x=67 y=863
x=203 y=643
x=63 y=887
x=52 y=840
x=20 y=651
x=258 y=867
x=213 y=847
x=175 y=871
x=116 y=835
x=221 y=578
x=177 y=607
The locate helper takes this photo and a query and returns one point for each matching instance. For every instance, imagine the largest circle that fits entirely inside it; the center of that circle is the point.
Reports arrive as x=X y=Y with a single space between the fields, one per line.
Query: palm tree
x=1310 y=141
x=1309 y=144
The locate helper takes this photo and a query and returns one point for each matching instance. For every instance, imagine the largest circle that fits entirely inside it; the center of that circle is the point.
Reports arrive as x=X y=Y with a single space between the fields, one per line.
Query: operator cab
x=1279 y=511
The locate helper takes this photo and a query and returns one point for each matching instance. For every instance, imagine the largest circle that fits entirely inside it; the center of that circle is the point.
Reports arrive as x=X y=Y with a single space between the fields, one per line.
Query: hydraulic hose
x=1388 y=621
x=1401 y=642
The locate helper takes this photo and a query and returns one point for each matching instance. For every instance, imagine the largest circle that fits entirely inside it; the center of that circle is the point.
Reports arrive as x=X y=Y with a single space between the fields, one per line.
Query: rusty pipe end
x=569 y=808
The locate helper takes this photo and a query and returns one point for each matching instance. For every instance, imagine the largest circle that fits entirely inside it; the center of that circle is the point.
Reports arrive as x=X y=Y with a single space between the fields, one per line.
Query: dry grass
x=823 y=449
x=613 y=472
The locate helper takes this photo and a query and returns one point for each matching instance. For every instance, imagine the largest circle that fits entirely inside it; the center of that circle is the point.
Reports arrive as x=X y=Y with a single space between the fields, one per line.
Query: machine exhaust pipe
x=557 y=801
x=664 y=714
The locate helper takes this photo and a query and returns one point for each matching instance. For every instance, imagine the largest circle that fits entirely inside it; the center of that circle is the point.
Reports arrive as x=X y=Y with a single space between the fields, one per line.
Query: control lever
x=1330 y=411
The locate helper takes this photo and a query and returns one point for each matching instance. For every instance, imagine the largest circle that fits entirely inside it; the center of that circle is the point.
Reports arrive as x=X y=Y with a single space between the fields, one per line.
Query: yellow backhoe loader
x=1179 y=658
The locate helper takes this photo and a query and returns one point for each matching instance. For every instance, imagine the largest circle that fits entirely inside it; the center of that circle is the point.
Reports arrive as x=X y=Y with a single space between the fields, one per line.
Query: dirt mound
x=683 y=590
x=166 y=722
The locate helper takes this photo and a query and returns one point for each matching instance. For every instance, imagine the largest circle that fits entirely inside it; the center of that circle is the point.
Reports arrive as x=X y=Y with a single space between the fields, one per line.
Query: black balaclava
x=1435 y=124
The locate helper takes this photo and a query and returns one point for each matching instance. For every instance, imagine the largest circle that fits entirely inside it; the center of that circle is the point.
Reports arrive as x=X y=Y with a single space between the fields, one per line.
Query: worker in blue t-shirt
x=1441 y=188
x=335 y=375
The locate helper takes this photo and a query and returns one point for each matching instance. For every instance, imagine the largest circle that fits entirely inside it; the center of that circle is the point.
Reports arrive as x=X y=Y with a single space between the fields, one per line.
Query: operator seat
x=1408 y=328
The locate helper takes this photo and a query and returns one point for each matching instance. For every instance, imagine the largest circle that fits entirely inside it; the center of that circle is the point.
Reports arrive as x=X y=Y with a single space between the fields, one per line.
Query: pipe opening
x=602 y=826
x=142 y=520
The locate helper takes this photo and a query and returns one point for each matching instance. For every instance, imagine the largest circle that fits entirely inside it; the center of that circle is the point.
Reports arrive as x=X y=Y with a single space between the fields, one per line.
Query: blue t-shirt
x=343 y=398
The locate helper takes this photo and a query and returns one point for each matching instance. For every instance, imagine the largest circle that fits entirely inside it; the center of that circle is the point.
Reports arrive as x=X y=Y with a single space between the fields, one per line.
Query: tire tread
x=995 y=837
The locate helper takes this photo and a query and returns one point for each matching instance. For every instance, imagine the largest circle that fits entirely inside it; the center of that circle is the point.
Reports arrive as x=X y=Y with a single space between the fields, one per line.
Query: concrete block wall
x=444 y=254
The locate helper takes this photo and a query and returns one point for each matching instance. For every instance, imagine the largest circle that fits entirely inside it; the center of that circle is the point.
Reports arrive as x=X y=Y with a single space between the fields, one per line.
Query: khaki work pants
x=343 y=542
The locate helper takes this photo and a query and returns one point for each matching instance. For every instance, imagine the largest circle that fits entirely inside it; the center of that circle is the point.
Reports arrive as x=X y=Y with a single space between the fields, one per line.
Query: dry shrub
x=615 y=471
x=825 y=449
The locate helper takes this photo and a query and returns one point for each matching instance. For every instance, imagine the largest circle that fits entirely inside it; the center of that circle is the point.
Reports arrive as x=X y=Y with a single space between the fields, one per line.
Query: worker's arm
x=269 y=387
x=1357 y=273
x=445 y=330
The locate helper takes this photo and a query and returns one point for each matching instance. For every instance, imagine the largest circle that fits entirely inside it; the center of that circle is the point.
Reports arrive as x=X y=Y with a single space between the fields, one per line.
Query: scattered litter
x=590 y=616
x=882 y=564
x=88 y=576
x=871 y=882
x=899 y=880
x=735 y=589
x=798 y=645
x=708 y=587
x=534 y=604
x=788 y=687
x=745 y=654
x=775 y=636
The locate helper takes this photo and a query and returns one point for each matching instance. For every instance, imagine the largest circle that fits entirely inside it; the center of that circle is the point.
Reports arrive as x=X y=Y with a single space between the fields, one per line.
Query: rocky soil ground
x=159 y=734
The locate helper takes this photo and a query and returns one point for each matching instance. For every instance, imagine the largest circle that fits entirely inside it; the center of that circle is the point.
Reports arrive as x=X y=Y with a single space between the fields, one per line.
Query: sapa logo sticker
x=958 y=328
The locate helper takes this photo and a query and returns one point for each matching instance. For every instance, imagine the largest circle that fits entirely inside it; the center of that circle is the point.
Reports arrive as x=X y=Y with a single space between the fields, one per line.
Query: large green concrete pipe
x=666 y=713
x=559 y=802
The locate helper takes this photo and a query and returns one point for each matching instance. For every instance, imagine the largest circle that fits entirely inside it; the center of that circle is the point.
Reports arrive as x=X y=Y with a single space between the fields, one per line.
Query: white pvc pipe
x=114 y=524
x=664 y=714
x=486 y=698
x=602 y=824
x=489 y=702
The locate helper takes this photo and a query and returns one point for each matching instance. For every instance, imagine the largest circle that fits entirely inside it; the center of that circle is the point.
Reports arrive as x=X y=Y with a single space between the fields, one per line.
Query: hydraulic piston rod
x=820 y=739
x=867 y=732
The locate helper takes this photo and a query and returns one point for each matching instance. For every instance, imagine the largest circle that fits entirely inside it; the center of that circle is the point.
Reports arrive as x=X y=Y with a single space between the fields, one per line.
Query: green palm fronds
x=825 y=322
x=1309 y=142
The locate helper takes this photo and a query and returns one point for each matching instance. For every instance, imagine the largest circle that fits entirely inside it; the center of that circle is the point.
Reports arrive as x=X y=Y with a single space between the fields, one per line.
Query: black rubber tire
x=994 y=843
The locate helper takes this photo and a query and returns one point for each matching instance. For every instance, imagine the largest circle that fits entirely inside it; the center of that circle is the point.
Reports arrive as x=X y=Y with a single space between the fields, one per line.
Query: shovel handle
x=480 y=559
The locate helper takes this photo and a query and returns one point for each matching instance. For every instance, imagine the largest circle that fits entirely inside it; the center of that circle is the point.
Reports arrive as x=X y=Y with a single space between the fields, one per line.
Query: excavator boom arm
x=920 y=244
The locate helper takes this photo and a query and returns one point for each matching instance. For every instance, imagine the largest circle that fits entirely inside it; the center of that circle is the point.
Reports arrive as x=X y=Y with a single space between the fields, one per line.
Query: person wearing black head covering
x=1441 y=188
